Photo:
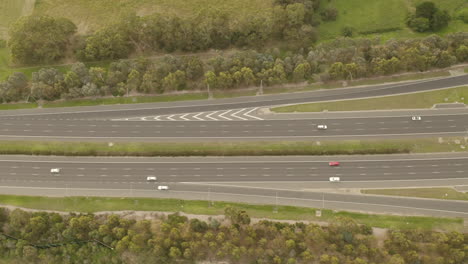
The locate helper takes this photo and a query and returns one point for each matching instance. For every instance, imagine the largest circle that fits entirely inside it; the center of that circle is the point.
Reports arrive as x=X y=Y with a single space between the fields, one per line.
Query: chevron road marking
x=183 y=117
x=196 y=116
x=254 y=117
x=209 y=116
x=222 y=115
x=235 y=115
x=244 y=114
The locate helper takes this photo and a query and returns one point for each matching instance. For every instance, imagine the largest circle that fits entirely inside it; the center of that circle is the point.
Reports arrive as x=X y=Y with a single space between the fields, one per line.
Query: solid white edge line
x=219 y=162
x=463 y=132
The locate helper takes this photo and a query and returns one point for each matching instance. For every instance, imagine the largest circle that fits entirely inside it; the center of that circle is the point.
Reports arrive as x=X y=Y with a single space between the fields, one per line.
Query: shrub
x=463 y=15
x=347 y=31
x=420 y=24
x=329 y=14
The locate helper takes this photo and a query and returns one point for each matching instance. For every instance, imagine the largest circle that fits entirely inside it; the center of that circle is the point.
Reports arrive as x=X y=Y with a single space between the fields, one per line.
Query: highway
x=240 y=179
x=146 y=122
x=187 y=176
x=282 y=129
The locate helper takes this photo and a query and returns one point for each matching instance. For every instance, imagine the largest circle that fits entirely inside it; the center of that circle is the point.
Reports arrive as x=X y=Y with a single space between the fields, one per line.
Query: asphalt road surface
x=225 y=170
x=257 y=130
x=187 y=176
x=106 y=122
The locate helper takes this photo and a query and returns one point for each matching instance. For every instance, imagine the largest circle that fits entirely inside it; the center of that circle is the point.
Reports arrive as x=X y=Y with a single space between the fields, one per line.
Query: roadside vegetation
x=281 y=46
x=356 y=59
x=434 y=193
x=261 y=148
x=53 y=238
x=216 y=208
x=406 y=101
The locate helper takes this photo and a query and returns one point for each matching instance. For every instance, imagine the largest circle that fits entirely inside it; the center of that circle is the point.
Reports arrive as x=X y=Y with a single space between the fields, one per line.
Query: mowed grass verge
x=406 y=101
x=98 y=204
x=435 y=193
x=260 y=148
x=126 y=100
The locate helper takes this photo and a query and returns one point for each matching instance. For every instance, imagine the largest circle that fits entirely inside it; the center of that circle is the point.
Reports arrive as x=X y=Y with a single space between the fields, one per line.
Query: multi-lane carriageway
x=293 y=180
x=191 y=179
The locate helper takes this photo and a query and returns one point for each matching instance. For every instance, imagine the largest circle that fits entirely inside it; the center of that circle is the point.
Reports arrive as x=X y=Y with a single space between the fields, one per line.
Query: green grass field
x=406 y=101
x=263 y=148
x=435 y=193
x=97 y=204
x=365 y=16
x=10 y=10
x=90 y=14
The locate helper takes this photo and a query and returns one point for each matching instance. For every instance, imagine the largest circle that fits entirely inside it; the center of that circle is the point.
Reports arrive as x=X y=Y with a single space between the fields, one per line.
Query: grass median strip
x=98 y=204
x=151 y=149
x=406 y=101
x=435 y=193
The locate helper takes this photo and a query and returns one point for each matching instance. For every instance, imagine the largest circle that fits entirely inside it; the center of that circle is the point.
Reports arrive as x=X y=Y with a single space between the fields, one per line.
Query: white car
x=334 y=179
x=151 y=178
x=323 y=127
x=416 y=118
x=55 y=170
x=163 y=187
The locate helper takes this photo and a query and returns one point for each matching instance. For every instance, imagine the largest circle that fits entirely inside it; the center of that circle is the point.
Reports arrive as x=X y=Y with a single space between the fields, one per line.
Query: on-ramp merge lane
x=121 y=111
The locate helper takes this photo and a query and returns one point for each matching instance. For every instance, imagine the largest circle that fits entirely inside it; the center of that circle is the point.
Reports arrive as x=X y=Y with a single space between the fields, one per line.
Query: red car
x=334 y=163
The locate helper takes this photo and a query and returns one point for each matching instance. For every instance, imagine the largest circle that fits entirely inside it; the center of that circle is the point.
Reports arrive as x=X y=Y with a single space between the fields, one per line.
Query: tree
x=462 y=53
x=426 y=9
x=175 y=81
x=420 y=24
x=445 y=59
x=301 y=72
x=40 y=39
x=72 y=80
x=107 y=43
x=247 y=76
x=47 y=84
x=134 y=81
x=440 y=20
x=225 y=80
x=337 y=71
x=97 y=75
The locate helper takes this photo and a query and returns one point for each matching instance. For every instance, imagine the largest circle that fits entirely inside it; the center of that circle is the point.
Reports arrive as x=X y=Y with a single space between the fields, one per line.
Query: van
x=151 y=178
x=334 y=179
